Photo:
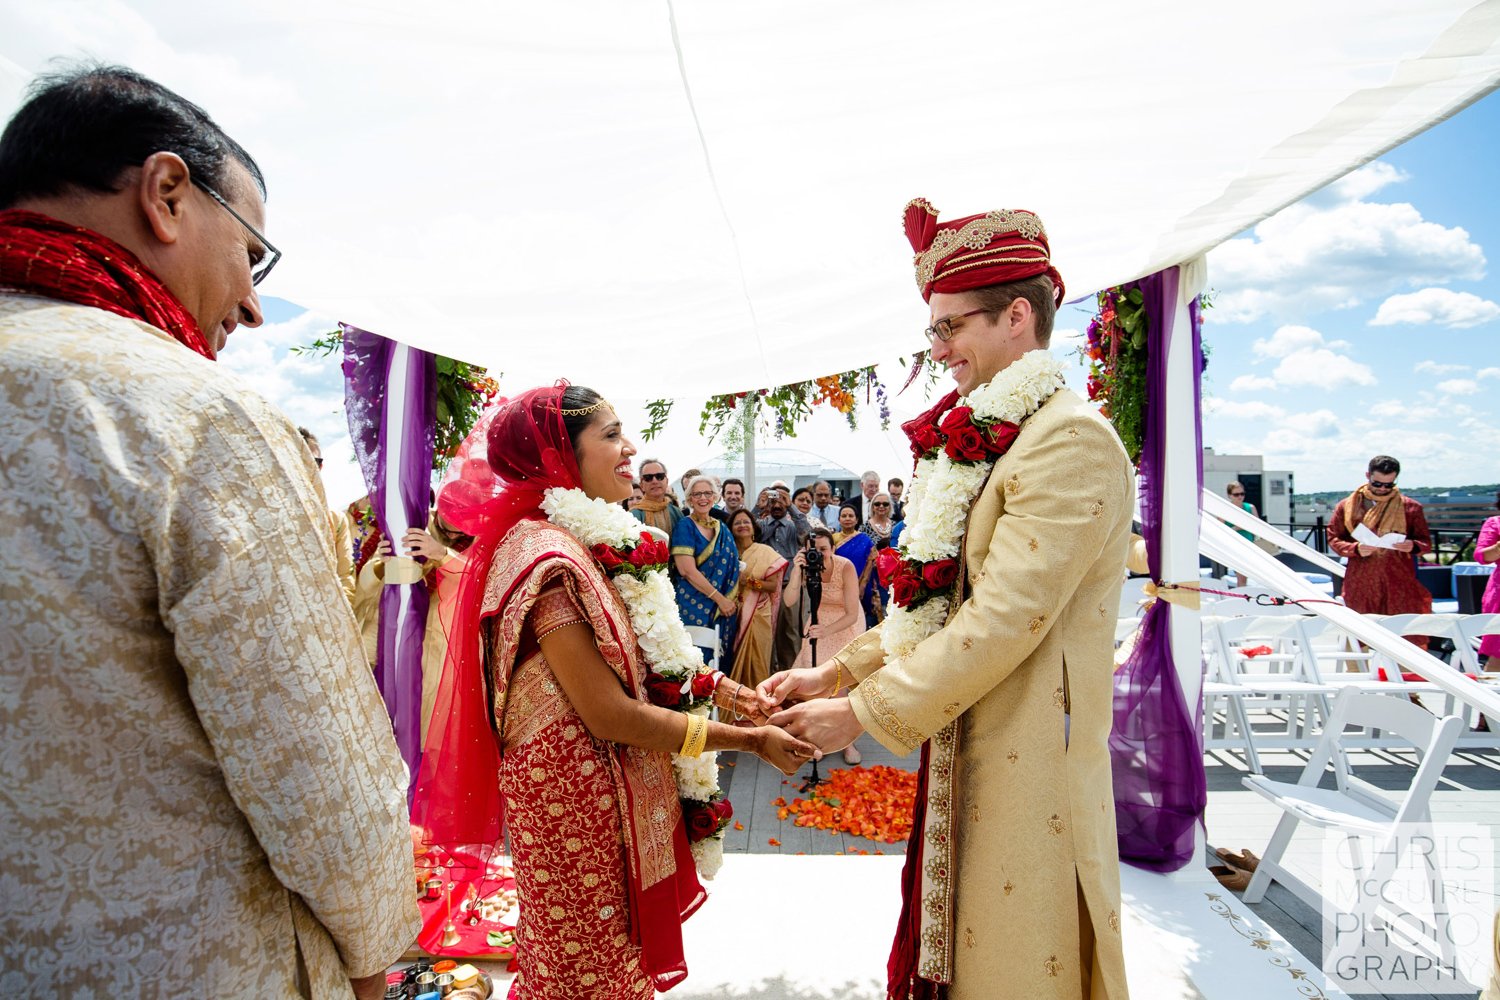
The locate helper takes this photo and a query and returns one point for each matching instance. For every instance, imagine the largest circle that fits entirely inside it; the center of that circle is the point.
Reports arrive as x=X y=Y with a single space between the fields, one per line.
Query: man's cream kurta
x=1031 y=905
x=198 y=781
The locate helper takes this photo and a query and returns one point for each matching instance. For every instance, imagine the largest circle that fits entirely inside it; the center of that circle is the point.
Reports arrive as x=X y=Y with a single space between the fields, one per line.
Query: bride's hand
x=741 y=702
x=783 y=751
x=796 y=685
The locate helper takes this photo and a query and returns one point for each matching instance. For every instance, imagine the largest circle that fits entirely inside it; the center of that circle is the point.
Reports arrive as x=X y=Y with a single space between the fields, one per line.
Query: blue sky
x=1364 y=319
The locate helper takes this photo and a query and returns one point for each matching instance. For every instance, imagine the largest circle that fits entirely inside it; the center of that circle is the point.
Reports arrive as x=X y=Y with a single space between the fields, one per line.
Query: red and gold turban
x=978 y=250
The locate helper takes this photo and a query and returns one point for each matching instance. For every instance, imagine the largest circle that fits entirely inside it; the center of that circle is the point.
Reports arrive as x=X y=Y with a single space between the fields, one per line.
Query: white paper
x=1364 y=536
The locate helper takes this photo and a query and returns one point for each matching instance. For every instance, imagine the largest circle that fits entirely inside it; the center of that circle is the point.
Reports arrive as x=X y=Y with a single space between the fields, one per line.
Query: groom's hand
x=828 y=723
x=794 y=685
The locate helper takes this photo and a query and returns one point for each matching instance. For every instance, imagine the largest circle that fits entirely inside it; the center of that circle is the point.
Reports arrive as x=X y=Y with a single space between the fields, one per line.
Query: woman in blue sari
x=859 y=548
x=707 y=563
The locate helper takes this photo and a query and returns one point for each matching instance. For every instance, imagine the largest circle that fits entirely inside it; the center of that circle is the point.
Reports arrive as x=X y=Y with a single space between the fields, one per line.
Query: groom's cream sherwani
x=1027 y=904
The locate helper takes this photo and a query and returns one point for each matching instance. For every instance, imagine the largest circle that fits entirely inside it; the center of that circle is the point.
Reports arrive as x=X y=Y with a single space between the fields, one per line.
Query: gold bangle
x=838 y=678
x=695 y=738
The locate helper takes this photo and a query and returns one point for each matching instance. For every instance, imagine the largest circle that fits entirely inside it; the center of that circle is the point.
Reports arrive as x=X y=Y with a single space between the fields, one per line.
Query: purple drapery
x=395 y=418
x=1155 y=745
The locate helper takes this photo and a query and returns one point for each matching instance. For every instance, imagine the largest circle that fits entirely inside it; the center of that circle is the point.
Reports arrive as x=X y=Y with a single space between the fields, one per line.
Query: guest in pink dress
x=1487 y=550
x=841 y=617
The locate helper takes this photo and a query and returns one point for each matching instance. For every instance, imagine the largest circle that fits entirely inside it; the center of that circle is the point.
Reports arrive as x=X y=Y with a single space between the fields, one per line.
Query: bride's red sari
x=604 y=875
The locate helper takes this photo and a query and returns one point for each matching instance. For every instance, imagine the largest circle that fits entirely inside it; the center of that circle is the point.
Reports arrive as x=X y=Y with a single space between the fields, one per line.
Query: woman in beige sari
x=760 y=585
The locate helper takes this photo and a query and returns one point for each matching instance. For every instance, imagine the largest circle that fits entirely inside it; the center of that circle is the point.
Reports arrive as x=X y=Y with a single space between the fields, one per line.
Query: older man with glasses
x=1381 y=579
x=197 y=775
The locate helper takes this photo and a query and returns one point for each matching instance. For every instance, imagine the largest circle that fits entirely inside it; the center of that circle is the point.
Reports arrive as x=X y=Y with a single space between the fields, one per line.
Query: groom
x=1011 y=886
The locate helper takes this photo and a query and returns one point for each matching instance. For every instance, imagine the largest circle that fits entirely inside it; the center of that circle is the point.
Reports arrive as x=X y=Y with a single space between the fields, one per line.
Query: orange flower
x=774 y=842
x=738 y=825
x=874 y=802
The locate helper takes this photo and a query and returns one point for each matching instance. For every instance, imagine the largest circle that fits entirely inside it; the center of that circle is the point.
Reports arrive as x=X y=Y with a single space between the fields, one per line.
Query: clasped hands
x=801 y=702
x=742 y=706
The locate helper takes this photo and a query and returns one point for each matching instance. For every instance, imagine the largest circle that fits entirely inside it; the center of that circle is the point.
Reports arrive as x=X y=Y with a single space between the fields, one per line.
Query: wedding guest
x=338 y=525
x=802 y=499
x=878 y=525
x=859 y=548
x=708 y=563
x=759 y=510
x=825 y=511
x=759 y=593
x=655 y=507
x=1487 y=550
x=1381 y=581
x=869 y=485
x=574 y=761
x=840 y=617
x=895 y=488
x=199 y=787
x=780 y=532
x=1236 y=493
x=733 y=491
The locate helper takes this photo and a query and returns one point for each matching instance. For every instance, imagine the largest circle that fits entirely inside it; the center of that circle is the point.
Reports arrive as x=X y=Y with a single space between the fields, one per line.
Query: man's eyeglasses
x=943 y=328
x=1375 y=484
x=653 y=477
x=259 y=266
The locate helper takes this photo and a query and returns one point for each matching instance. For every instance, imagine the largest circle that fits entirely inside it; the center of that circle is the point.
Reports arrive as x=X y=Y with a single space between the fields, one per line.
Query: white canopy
x=692 y=197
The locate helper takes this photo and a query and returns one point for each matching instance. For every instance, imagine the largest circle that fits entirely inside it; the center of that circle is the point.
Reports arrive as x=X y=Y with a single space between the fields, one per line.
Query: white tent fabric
x=678 y=198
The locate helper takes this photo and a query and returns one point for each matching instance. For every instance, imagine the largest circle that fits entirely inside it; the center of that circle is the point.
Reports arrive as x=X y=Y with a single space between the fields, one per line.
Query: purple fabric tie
x=369 y=399
x=1155 y=746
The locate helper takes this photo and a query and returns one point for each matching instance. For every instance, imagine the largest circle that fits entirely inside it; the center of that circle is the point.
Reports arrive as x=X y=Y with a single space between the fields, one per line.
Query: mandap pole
x=1180 y=510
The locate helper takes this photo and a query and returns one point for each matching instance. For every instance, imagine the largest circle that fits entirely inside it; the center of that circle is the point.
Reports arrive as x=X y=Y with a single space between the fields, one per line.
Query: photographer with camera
x=831 y=588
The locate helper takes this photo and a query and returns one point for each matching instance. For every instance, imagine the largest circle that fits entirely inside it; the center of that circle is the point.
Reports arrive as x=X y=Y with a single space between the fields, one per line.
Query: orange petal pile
x=874 y=802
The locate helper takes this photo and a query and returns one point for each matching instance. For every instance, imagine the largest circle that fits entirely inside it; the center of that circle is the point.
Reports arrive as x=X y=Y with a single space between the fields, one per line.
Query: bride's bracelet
x=695 y=738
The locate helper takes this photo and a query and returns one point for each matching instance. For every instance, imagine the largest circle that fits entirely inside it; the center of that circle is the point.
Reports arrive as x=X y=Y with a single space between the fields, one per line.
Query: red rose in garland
x=663 y=691
x=940 y=574
x=905 y=588
x=959 y=416
x=702 y=820
x=925 y=439
x=966 y=444
x=724 y=810
x=644 y=554
x=607 y=556
x=887 y=565
x=1001 y=437
x=703 y=685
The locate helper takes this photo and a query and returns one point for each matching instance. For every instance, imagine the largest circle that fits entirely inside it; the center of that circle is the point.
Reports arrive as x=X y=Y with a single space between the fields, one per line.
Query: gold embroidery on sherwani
x=885 y=715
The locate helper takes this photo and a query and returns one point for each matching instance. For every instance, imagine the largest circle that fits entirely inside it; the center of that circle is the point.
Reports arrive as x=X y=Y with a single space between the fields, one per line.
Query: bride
x=545 y=713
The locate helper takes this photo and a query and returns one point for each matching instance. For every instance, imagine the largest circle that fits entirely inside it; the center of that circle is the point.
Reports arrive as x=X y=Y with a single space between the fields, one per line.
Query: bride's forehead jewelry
x=580 y=411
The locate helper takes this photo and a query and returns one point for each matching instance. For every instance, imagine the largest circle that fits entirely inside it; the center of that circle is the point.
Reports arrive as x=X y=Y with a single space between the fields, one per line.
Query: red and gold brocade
x=603 y=871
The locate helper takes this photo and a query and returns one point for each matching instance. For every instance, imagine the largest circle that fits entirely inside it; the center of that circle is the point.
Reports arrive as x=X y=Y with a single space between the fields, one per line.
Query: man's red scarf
x=40 y=255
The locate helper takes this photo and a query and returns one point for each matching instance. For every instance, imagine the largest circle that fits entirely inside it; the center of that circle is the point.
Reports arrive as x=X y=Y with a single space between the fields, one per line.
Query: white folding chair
x=1354 y=807
x=705 y=638
x=1276 y=681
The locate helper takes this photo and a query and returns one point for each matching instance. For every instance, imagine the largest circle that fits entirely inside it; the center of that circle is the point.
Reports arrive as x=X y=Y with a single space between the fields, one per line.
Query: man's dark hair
x=1039 y=291
x=1384 y=464
x=82 y=128
x=894 y=482
x=732 y=482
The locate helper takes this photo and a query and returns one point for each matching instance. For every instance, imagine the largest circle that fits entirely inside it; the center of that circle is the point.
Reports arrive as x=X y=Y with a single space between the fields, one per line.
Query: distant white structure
x=789 y=465
x=1270 y=491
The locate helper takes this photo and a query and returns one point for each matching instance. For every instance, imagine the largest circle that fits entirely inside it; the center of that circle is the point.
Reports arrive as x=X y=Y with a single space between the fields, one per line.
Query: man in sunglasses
x=655 y=507
x=1378 y=580
x=197 y=775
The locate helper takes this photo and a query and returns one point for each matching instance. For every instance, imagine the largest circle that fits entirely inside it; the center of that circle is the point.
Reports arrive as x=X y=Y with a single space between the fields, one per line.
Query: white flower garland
x=942 y=491
x=663 y=639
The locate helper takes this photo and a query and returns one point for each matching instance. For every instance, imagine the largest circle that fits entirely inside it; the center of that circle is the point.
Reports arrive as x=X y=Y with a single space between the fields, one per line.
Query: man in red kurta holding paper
x=1382 y=581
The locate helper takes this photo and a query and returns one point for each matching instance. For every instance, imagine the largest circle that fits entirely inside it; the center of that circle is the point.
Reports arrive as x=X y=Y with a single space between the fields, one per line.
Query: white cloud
x=1434 y=368
x=1251 y=410
x=1322 y=368
x=1287 y=340
x=1436 y=306
x=1488 y=373
x=1459 y=387
x=1335 y=250
x=1251 y=383
x=1318 y=423
x=1365 y=181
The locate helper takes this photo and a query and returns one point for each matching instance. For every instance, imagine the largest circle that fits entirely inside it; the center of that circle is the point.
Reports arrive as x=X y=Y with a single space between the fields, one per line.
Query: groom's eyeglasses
x=943 y=328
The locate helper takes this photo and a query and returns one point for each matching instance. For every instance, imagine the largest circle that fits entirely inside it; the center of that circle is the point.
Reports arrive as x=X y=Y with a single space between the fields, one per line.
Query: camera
x=813 y=557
